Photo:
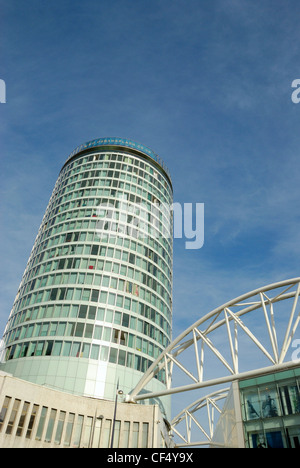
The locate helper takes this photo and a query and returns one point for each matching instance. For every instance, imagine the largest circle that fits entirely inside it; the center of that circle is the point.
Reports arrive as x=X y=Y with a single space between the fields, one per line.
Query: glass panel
x=12 y=417
x=50 y=425
x=41 y=423
x=87 y=432
x=69 y=429
x=57 y=348
x=97 y=433
x=289 y=396
x=116 y=435
x=85 y=350
x=106 y=433
x=125 y=434
x=66 y=348
x=113 y=355
x=31 y=421
x=269 y=403
x=22 y=419
x=60 y=426
x=95 y=352
x=3 y=412
x=79 y=329
x=88 y=331
x=145 y=433
x=78 y=431
x=75 y=349
x=135 y=435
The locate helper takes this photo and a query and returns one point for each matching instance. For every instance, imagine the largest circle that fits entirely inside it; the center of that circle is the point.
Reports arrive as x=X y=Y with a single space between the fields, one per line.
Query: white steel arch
x=247 y=336
x=181 y=424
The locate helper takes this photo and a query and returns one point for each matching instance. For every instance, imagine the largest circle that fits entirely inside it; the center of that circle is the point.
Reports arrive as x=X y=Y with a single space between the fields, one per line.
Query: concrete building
x=35 y=416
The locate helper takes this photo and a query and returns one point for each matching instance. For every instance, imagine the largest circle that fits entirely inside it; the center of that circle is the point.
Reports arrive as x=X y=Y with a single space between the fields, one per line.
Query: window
x=145 y=432
x=116 y=434
x=95 y=352
x=75 y=349
x=115 y=336
x=66 y=348
x=98 y=332
x=122 y=357
x=85 y=350
x=106 y=433
x=4 y=411
x=125 y=434
x=50 y=425
x=79 y=329
x=31 y=421
x=97 y=432
x=12 y=417
x=69 y=429
x=113 y=355
x=89 y=331
x=41 y=425
x=78 y=431
x=57 y=348
x=135 y=435
x=83 y=311
x=60 y=426
x=39 y=348
x=95 y=295
x=87 y=432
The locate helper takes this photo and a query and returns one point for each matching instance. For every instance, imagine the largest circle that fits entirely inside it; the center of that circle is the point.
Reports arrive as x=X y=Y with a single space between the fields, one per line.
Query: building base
x=36 y=416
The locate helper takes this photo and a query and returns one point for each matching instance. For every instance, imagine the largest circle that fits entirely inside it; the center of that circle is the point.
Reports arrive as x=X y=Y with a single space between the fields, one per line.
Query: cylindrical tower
x=94 y=306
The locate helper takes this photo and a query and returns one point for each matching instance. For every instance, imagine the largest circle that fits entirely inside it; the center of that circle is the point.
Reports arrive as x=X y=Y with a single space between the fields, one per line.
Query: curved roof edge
x=121 y=142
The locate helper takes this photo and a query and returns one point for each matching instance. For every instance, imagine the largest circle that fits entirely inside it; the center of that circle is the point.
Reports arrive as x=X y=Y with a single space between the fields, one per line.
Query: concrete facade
x=36 y=416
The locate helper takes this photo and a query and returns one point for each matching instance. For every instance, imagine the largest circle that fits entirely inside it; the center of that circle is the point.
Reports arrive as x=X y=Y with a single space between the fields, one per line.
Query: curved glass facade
x=95 y=302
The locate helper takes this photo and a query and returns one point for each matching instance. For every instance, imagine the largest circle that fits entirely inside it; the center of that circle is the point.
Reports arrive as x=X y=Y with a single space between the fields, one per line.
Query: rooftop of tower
x=121 y=143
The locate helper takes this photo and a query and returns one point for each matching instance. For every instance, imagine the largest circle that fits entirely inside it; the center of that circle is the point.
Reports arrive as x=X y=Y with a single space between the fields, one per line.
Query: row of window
x=114 y=181
x=135 y=165
x=161 y=243
x=122 y=218
x=41 y=423
x=106 y=266
x=113 y=282
x=105 y=194
x=130 y=205
x=111 y=198
x=93 y=313
x=108 y=187
x=86 y=295
x=109 y=253
x=77 y=349
x=136 y=274
x=141 y=224
x=96 y=332
x=271 y=401
x=134 y=226
x=143 y=257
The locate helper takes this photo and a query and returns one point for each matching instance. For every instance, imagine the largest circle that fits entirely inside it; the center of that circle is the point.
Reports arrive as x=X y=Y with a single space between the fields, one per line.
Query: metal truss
x=186 y=419
x=247 y=336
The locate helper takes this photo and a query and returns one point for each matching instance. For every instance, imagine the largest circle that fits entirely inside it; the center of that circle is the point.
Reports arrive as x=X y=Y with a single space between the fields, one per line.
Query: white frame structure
x=248 y=336
x=208 y=405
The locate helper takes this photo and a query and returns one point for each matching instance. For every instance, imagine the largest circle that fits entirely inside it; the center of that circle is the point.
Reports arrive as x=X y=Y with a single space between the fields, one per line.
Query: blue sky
x=205 y=83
